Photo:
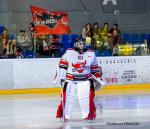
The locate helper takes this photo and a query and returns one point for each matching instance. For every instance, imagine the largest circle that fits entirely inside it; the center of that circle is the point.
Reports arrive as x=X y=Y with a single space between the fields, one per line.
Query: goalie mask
x=79 y=46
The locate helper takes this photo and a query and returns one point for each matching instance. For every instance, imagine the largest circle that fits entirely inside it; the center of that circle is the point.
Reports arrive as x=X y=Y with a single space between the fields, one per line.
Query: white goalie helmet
x=80 y=44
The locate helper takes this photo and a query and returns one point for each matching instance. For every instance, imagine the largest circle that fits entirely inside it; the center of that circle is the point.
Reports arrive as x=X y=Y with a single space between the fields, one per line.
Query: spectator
x=87 y=31
x=5 y=38
x=87 y=34
x=96 y=36
x=18 y=53
x=115 y=51
x=116 y=37
x=1 y=46
x=11 y=48
x=105 y=30
x=107 y=45
x=147 y=46
x=24 y=42
x=115 y=27
x=45 y=45
x=54 y=45
x=95 y=29
x=32 y=27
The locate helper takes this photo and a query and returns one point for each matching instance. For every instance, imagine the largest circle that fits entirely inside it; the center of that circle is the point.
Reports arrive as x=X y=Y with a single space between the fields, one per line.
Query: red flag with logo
x=48 y=22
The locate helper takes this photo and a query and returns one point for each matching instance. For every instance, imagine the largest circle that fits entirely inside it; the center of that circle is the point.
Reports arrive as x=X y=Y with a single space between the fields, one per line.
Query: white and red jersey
x=80 y=66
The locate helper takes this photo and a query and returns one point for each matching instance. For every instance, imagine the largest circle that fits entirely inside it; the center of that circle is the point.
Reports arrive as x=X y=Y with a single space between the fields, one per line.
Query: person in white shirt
x=23 y=41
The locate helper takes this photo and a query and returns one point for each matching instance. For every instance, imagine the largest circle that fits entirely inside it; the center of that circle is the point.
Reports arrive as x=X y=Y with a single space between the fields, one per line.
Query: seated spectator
x=115 y=27
x=54 y=45
x=24 y=42
x=42 y=47
x=115 y=51
x=11 y=48
x=45 y=45
x=147 y=46
x=18 y=53
x=116 y=37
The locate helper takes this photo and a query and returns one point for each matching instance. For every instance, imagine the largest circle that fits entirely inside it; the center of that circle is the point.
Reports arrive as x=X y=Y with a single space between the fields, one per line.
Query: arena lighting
x=114 y=2
x=116 y=12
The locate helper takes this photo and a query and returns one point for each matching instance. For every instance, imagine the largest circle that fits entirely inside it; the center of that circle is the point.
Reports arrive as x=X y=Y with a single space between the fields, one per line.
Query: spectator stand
x=67 y=41
x=137 y=42
x=54 y=46
x=1 y=29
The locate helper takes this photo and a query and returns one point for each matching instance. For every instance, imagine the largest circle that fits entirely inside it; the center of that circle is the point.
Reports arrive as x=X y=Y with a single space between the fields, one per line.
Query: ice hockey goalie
x=79 y=70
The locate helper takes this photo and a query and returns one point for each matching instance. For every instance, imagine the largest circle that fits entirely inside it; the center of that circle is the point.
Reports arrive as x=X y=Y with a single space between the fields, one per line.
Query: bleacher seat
x=127 y=37
x=135 y=38
x=74 y=37
x=148 y=37
x=143 y=36
x=97 y=52
x=107 y=53
x=65 y=42
x=28 y=54
x=1 y=29
x=65 y=38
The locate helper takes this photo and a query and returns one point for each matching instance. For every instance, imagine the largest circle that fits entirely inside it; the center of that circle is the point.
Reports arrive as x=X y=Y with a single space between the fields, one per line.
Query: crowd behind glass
x=105 y=41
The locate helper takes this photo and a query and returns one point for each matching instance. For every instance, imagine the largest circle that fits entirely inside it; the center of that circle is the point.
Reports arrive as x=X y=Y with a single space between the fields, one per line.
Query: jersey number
x=80 y=57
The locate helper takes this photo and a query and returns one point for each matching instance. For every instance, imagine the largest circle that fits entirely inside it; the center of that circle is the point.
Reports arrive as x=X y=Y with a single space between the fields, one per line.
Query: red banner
x=48 y=22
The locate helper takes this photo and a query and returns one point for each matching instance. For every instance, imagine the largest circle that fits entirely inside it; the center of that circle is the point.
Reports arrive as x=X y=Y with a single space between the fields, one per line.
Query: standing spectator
x=32 y=27
x=24 y=42
x=96 y=36
x=116 y=41
x=105 y=30
x=5 y=38
x=116 y=37
x=8 y=45
x=87 y=31
x=87 y=34
x=1 y=46
x=95 y=29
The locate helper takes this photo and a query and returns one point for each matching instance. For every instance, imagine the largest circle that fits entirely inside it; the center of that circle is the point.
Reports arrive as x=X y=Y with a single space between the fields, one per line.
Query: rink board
x=36 y=75
x=107 y=90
